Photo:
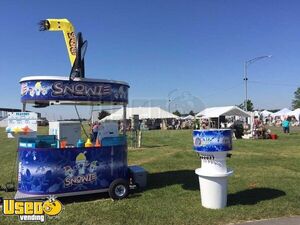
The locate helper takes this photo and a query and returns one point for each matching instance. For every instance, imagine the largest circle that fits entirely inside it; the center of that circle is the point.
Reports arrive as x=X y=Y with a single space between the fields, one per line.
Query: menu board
x=22 y=123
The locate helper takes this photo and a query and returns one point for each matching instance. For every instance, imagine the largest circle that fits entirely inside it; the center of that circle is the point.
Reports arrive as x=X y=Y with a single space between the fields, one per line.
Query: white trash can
x=212 y=147
x=213 y=188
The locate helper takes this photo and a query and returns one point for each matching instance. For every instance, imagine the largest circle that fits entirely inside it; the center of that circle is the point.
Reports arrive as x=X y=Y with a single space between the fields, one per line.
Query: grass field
x=265 y=184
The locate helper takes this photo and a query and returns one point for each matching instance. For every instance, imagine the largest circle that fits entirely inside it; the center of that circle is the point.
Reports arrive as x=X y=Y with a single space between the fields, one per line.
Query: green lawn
x=265 y=184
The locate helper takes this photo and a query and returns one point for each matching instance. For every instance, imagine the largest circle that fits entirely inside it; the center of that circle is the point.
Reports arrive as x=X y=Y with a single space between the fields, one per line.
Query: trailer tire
x=119 y=189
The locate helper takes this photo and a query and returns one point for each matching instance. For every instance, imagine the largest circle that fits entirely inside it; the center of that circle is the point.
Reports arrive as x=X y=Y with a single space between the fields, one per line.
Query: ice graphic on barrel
x=212 y=140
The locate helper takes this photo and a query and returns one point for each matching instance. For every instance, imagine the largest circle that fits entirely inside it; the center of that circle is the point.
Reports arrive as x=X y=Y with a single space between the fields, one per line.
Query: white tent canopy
x=282 y=112
x=256 y=113
x=266 y=113
x=222 y=111
x=295 y=113
x=143 y=112
x=188 y=117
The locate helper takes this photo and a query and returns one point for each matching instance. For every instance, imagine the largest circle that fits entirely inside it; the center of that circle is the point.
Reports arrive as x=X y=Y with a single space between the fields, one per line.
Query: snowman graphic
x=38 y=88
x=81 y=163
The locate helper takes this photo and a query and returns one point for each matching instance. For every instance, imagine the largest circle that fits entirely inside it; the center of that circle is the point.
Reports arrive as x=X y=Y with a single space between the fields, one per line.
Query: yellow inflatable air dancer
x=76 y=46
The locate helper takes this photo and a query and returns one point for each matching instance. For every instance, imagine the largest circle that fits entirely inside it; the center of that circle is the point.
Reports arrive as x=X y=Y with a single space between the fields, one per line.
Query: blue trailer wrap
x=49 y=171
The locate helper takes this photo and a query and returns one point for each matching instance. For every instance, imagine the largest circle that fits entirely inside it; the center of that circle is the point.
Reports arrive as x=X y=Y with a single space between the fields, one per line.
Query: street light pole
x=246 y=76
x=169 y=98
x=246 y=85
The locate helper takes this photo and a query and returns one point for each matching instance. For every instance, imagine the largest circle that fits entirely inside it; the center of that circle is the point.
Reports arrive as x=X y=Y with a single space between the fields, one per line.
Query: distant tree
x=177 y=113
x=103 y=114
x=249 y=105
x=273 y=110
x=192 y=113
x=296 y=100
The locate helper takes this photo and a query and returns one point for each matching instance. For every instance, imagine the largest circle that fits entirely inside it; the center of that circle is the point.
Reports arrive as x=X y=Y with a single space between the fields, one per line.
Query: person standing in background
x=286 y=126
x=95 y=131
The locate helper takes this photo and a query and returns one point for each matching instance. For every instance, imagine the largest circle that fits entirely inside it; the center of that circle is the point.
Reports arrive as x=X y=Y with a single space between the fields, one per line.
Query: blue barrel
x=214 y=140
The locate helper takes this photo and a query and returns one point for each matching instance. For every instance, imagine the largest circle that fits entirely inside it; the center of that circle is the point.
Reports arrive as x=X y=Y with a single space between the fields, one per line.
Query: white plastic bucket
x=213 y=189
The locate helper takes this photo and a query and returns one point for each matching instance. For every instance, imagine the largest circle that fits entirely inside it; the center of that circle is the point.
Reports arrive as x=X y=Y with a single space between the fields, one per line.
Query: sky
x=187 y=53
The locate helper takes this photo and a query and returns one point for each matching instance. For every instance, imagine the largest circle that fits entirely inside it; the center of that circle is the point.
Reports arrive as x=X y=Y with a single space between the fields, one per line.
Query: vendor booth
x=62 y=163
x=217 y=114
x=48 y=168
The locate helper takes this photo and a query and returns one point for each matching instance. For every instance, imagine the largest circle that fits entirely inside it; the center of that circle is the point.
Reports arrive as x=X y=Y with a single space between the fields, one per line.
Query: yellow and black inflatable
x=75 y=45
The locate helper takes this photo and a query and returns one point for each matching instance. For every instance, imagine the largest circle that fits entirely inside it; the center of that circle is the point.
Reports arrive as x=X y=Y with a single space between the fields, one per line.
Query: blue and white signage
x=212 y=140
x=21 y=123
x=41 y=89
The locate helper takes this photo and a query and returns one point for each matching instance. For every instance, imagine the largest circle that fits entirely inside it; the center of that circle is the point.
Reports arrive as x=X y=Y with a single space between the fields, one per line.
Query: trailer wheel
x=119 y=189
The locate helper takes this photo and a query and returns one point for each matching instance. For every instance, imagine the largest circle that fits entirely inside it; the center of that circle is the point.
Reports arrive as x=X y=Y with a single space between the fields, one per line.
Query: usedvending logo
x=34 y=210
